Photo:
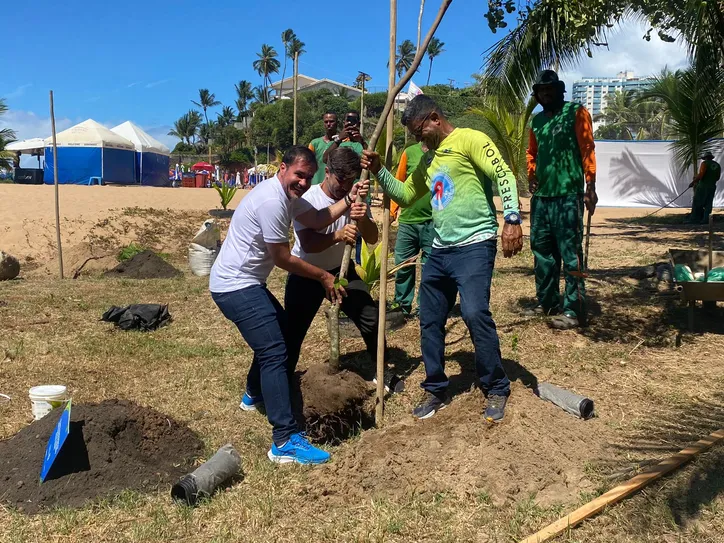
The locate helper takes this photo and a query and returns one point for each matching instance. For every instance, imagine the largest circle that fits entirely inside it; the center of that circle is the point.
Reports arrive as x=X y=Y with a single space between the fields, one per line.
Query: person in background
x=704 y=185
x=415 y=232
x=562 y=178
x=319 y=146
x=459 y=171
x=351 y=137
x=258 y=240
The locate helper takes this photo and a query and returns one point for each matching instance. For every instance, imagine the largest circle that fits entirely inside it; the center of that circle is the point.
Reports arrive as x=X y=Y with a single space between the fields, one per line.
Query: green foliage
x=6 y=136
x=404 y=57
x=226 y=193
x=340 y=282
x=369 y=270
x=187 y=126
x=183 y=148
x=434 y=49
x=129 y=251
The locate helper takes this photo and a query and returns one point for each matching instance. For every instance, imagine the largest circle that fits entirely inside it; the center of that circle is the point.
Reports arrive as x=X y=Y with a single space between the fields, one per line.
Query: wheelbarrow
x=700 y=261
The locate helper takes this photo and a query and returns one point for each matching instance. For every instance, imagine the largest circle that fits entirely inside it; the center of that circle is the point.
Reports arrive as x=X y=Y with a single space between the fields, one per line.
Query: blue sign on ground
x=57 y=438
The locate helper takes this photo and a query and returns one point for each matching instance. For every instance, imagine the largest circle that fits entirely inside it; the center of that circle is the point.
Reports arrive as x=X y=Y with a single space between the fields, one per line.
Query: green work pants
x=556 y=237
x=703 y=202
x=411 y=239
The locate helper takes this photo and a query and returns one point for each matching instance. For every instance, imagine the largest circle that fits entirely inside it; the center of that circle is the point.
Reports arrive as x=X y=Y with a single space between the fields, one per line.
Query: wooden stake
x=55 y=178
x=334 y=311
x=296 y=74
x=626 y=489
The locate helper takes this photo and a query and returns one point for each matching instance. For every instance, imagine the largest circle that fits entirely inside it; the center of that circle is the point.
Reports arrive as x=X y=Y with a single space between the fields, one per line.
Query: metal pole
x=55 y=177
x=380 y=405
x=296 y=74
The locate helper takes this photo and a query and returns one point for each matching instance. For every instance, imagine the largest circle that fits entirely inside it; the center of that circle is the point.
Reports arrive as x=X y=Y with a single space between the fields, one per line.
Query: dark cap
x=708 y=156
x=549 y=77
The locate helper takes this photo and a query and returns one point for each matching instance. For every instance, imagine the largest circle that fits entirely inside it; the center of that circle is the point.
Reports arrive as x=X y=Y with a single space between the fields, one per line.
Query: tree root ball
x=9 y=267
x=334 y=405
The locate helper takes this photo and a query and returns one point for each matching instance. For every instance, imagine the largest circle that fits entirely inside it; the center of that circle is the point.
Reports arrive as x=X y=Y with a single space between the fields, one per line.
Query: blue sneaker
x=298 y=450
x=495 y=411
x=251 y=403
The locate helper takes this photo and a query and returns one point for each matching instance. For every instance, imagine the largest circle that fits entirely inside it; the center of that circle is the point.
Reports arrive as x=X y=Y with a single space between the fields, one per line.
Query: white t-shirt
x=331 y=257
x=263 y=216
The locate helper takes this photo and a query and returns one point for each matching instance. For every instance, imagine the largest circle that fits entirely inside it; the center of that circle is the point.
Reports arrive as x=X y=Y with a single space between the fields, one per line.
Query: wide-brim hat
x=549 y=77
x=708 y=155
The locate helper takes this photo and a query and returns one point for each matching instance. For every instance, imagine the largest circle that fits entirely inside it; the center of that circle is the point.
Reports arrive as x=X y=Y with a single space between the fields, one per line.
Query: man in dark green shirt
x=704 y=190
x=319 y=146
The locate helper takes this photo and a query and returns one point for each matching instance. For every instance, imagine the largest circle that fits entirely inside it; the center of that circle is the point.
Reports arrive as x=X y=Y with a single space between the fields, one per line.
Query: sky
x=145 y=61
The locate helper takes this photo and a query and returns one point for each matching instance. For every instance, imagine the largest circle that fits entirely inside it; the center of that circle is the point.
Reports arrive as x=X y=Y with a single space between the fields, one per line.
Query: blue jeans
x=262 y=322
x=469 y=271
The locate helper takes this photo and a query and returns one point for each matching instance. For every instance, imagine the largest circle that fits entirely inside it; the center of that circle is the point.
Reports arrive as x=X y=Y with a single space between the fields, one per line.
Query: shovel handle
x=588 y=241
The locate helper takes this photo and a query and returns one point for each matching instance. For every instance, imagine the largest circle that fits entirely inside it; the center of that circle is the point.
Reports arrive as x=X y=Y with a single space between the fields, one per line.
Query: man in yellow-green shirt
x=458 y=173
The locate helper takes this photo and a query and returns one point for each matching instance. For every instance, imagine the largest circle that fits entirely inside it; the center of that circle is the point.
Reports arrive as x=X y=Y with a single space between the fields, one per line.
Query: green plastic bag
x=682 y=273
x=716 y=274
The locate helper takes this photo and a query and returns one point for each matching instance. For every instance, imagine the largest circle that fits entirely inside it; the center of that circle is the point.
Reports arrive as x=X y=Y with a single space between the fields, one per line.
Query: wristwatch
x=513 y=218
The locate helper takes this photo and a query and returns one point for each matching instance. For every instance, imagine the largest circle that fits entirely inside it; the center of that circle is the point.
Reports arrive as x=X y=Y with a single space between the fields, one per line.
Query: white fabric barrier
x=643 y=174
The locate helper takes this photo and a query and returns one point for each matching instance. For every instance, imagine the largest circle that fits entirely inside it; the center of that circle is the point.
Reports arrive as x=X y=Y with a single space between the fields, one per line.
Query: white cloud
x=27 y=124
x=628 y=51
x=156 y=83
x=133 y=84
x=18 y=92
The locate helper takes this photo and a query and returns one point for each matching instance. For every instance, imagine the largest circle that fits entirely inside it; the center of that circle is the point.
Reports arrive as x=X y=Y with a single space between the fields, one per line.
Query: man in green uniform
x=415 y=232
x=704 y=190
x=458 y=172
x=562 y=178
x=319 y=146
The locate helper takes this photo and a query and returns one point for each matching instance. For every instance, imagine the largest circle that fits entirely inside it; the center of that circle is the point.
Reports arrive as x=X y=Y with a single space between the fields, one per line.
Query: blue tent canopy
x=152 y=156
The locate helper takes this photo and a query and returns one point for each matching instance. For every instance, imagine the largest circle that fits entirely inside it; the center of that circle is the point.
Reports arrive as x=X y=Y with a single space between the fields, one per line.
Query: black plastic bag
x=142 y=317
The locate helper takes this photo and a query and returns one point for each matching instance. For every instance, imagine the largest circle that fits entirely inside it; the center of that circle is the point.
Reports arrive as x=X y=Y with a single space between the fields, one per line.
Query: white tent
x=152 y=156
x=141 y=139
x=89 y=150
x=33 y=145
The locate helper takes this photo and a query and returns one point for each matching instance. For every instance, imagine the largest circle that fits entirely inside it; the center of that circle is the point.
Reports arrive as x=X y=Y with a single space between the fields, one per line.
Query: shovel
x=584 y=274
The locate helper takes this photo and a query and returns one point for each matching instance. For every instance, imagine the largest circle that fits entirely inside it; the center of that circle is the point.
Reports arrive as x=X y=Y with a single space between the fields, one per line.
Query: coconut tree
x=6 y=136
x=267 y=64
x=186 y=127
x=226 y=117
x=287 y=36
x=694 y=102
x=404 y=57
x=261 y=95
x=434 y=49
x=206 y=100
x=244 y=94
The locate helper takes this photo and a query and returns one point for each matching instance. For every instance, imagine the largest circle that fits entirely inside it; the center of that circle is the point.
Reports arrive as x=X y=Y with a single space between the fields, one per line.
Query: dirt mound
x=538 y=450
x=113 y=446
x=335 y=404
x=145 y=265
x=82 y=259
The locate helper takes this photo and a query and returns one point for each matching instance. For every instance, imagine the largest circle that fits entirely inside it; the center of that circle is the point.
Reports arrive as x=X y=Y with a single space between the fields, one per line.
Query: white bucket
x=45 y=398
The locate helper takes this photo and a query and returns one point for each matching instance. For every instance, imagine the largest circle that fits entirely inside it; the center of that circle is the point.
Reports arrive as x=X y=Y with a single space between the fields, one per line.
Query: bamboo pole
x=55 y=182
x=625 y=489
x=296 y=74
x=334 y=312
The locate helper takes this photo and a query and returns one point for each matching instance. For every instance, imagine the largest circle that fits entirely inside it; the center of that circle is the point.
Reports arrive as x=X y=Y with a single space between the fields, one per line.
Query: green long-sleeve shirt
x=459 y=175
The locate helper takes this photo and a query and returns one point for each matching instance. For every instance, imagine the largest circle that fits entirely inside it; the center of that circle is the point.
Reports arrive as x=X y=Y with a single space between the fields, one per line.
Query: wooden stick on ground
x=55 y=176
x=334 y=311
x=625 y=489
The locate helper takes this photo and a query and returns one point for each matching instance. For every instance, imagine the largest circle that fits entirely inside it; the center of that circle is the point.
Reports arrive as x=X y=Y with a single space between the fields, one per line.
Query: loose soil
x=82 y=259
x=457 y=452
x=113 y=446
x=145 y=265
x=335 y=404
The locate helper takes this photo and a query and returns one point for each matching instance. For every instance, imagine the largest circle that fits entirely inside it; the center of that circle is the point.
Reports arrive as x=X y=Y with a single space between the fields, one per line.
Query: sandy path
x=27 y=211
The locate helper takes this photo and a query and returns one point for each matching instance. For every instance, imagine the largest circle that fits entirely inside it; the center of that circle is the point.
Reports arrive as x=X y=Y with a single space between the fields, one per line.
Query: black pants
x=302 y=299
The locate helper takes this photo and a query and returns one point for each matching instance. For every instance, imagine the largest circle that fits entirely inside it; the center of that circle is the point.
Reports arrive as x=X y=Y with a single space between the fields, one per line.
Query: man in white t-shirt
x=324 y=248
x=258 y=239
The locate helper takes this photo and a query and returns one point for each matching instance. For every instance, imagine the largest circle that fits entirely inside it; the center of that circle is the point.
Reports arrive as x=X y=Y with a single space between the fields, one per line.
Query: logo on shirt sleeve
x=442 y=189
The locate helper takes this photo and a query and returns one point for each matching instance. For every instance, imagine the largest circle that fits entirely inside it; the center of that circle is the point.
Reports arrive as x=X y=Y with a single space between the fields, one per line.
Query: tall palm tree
x=267 y=64
x=434 y=49
x=404 y=57
x=261 y=95
x=244 y=95
x=694 y=102
x=186 y=127
x=287 y=36
x=226 y=117
x=296 y=47
x=6 y=136
x=206 y=100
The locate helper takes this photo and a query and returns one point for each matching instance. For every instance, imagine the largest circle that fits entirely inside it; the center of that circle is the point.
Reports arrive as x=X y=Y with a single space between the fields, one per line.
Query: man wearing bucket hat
x=562 y=177
x=704 y=184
